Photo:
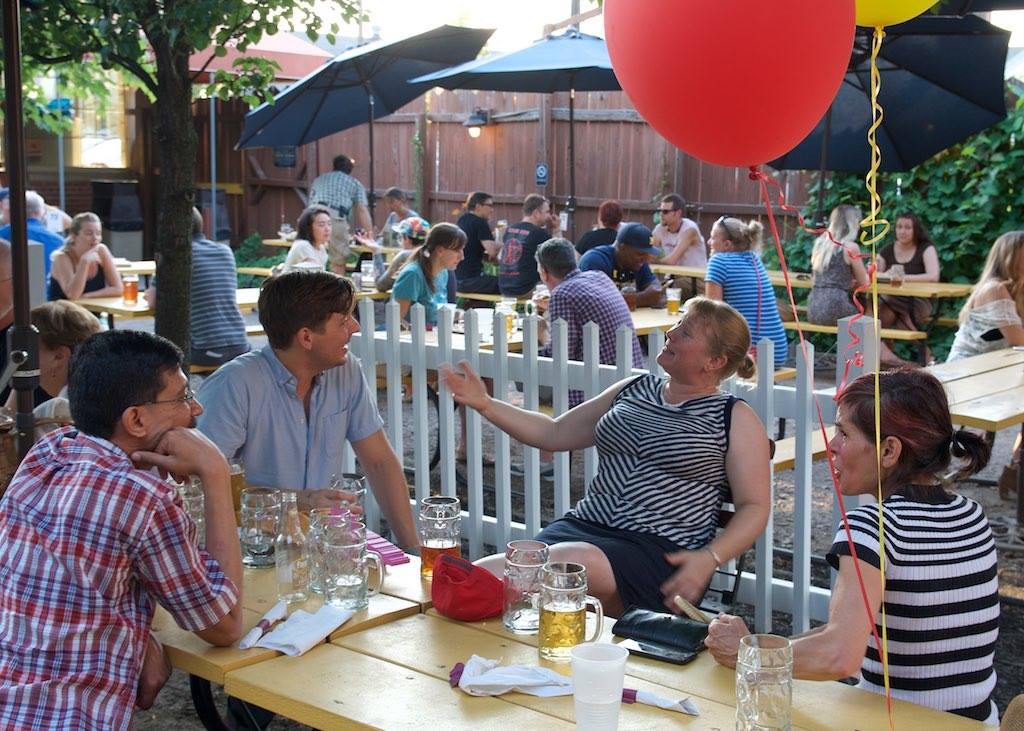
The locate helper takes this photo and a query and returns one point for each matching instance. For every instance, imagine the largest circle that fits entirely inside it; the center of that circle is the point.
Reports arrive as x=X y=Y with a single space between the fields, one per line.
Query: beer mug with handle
x=563 y=611
x=523 y=563
x=346 y=569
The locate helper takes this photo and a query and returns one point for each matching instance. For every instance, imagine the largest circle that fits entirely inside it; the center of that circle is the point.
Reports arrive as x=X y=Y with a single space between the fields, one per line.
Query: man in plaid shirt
x=92 y=542
x=346 y=197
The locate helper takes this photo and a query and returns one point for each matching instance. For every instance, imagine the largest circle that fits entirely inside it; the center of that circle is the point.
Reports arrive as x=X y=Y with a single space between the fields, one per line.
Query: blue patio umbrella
x=963 y=7
x=942 y=81
x=358 y=86
x=572 y=61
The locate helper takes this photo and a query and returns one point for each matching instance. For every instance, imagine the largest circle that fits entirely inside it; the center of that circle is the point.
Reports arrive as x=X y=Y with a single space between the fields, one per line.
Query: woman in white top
x=310 y=248
x=991 y=317
x=62 y=326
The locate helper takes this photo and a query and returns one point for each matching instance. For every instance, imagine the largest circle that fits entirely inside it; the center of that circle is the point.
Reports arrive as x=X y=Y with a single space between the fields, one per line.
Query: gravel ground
x=173 y=709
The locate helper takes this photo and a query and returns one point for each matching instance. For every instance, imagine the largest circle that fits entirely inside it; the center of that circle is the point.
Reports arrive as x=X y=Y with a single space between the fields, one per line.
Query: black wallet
x=679 y=635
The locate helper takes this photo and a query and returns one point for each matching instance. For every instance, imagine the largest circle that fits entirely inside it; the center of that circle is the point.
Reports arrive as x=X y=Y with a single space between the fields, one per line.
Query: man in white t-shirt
x=681 y=240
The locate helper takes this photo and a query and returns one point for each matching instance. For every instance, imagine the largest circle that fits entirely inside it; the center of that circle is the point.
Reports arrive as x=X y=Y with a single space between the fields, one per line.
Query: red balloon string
x=764 y=181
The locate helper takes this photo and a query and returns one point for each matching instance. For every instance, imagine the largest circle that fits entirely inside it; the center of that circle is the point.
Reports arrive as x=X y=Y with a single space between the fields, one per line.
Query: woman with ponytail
x=670 y=449
x=940 y=589
x=736 y=275
x=423 y=279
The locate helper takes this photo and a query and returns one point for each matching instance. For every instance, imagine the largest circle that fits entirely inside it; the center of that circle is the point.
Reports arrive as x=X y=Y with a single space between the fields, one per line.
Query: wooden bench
x=254 y=331
x=887 y=333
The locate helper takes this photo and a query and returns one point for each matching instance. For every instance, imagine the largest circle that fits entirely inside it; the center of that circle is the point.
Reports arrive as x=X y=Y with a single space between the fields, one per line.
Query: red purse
x=465 y=592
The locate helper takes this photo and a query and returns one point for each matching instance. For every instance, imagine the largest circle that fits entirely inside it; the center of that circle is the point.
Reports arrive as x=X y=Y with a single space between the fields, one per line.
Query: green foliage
x=966 y=196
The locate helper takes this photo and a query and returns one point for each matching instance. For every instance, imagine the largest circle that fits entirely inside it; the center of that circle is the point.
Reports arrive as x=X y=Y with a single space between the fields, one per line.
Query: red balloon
x=732 y=82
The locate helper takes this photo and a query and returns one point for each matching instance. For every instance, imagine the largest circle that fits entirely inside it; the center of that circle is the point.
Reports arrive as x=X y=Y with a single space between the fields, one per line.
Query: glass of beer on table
x=130 y=289
x=673 y=296
x=563 y=611
x=440 y=519
x=237 y=472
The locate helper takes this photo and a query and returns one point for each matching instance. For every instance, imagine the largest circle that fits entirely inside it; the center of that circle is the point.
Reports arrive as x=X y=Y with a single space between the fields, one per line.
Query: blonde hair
x=744 y=236
x=62 y=322
x=1002 y=265
x=727 y=333
x=76 y=228
x=844 y=225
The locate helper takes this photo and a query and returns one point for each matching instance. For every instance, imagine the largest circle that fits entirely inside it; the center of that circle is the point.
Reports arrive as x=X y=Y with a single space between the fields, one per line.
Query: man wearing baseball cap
x=410 y=232
x=626 y=261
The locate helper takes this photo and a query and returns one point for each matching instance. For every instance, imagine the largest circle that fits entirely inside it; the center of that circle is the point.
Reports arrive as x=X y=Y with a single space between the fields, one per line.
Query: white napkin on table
x=488 y=677
x=481 y=676
x=278 y=612
x=304 y=631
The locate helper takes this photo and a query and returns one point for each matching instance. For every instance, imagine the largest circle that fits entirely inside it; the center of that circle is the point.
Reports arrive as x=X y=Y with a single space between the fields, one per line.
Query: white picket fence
x=414 y=349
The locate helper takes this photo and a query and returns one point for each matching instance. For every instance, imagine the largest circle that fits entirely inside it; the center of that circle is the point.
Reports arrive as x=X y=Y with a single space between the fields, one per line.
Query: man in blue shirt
x=35 y=211
x=286 y=409
x=626 y=261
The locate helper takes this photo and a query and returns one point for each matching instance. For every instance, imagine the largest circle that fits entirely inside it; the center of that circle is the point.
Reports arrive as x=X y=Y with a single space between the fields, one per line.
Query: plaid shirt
x=88 y=544
x=584 y=297
x=337 y=190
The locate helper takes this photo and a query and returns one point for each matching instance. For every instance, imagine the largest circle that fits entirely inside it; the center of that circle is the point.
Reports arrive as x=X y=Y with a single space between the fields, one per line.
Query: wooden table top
x=245 y=298
x=985 y=391
x=259 y=593
x=431 y=646
x=141 y=268
x=816 y=705
x=332 y=687
x=802 y=280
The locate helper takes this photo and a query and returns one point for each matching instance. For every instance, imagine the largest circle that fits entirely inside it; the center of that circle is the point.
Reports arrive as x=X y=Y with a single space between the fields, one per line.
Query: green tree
x=966 y=196
x=150 y=41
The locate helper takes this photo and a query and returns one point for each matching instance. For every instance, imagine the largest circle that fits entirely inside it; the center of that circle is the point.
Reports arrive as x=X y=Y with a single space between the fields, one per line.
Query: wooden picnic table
x=396 y=676
x=143 y=268
x=987 y=392
x=802 y=280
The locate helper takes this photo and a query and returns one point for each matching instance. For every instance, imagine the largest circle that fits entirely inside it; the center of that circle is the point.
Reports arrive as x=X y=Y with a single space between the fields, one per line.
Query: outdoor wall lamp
x=476 y=120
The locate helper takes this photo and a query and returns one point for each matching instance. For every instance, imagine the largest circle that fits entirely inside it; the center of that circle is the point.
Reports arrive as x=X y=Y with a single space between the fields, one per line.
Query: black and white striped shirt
x=662 y=466
x=941 y=600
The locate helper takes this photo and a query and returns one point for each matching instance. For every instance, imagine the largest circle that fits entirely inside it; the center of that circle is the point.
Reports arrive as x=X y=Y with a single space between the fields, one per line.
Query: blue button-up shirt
x=251 y=410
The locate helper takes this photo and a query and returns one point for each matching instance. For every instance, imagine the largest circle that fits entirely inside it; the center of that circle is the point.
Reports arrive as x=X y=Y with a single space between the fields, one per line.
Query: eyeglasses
x=663 y=211
x=189 y=398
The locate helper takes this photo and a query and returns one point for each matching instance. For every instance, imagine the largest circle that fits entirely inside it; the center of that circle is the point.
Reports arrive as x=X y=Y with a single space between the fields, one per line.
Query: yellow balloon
x=873 y=13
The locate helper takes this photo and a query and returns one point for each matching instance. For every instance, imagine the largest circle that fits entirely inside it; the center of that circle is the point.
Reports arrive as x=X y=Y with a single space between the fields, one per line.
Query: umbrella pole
x=571 y=206
x=22 y=338
x=371 y=197
x=819 y=216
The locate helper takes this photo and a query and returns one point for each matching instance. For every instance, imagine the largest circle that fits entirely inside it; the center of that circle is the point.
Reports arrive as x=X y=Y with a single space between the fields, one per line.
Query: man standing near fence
x=346 y=197
x=517 y=273
x=286 y=409
x=578 y=298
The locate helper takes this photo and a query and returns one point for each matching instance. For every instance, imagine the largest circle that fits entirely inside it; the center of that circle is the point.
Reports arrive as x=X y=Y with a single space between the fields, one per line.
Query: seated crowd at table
x=94 y=536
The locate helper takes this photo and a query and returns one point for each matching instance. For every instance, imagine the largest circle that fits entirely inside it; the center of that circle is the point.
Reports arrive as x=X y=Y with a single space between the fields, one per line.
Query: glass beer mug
x=524 y=561
x=563 y=611
x=440 y=531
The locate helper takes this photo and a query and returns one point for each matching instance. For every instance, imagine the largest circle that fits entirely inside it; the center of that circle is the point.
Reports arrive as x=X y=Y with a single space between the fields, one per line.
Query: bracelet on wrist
x=715 y=556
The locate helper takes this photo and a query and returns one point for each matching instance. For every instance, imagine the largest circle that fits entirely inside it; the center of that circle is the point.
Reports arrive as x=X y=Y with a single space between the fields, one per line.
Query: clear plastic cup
x=598 y=673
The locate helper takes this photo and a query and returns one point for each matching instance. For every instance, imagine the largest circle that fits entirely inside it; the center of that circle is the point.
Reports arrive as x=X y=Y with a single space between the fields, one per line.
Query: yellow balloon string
x=878 y=228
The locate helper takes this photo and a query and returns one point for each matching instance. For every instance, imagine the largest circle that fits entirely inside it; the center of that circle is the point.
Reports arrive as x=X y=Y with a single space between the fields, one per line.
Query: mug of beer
x=237 y=471
x=563 y=611
x=440 y=531
x=130 y=289
x=319 y=520
x=673 y=295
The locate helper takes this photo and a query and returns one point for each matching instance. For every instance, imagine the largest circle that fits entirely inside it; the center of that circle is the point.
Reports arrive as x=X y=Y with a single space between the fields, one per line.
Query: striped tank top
x=941 y=600
x=661 y=466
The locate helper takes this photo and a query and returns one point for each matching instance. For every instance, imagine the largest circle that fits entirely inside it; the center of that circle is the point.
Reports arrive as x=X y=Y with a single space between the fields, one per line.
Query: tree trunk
x=177 y=145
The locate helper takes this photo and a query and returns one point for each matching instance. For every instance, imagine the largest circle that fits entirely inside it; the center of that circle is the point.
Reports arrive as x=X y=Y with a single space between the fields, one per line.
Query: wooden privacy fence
x=425 y=149
x=391 y=350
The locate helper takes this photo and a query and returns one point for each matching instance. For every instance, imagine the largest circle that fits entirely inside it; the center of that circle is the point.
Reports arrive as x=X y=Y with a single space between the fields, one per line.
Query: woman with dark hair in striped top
x=646 y=528
x=940 y=590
